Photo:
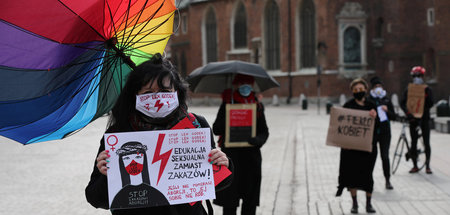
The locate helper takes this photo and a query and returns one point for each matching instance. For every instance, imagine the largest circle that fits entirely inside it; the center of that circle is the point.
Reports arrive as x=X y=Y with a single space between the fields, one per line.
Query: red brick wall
x=405 y=45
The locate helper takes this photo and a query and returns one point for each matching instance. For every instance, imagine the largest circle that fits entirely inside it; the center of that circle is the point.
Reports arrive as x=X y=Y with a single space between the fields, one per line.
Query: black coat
x=356 y=167
x=97 y=190
x=247 y=163
x=384 y=128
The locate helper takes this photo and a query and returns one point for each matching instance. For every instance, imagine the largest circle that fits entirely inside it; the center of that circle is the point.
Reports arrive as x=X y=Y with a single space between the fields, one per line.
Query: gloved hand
x=410 y=117
x=254 y=141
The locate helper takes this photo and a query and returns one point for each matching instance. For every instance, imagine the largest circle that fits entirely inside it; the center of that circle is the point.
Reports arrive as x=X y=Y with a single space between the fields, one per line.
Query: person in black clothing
x=417 y=74
x=382 y=134
x=247 y=160
x=356 y=167
x=154 y=77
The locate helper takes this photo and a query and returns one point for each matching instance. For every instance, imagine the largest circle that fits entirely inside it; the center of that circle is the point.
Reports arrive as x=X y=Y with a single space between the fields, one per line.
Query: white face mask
x=157 y=105
x=378 y=92
x=417 y=80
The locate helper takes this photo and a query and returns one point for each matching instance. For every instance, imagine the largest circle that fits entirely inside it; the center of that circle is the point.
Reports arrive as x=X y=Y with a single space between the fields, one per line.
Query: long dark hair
x=129 y=148
x=155 y=69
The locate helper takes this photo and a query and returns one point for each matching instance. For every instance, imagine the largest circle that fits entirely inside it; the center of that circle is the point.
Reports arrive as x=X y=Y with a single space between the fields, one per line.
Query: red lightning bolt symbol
x=158 y=156
x=158 y=105
x=418 y=106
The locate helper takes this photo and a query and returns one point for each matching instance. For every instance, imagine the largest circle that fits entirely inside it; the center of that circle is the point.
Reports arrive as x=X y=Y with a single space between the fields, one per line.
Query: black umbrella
x=217 y=76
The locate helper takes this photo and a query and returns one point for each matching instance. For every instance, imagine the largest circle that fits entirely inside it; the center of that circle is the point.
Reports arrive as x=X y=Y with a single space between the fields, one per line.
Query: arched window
x=240 y=27
x=272 y=35
x=174 y=60
x=211 y=36
x=307 y=35
x=379 y=28
x=183 y=67
x=352 y=40
x=352 y=45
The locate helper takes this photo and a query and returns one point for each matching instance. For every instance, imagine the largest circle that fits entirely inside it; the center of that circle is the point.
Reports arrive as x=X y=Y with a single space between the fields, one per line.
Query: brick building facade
x=293 y=38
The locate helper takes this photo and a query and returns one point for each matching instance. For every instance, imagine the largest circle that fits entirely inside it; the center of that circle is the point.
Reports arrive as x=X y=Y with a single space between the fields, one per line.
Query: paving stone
x=299 y=172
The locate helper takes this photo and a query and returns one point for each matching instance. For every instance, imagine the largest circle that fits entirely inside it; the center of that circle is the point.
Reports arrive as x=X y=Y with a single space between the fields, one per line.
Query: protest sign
x=154 y=168
x=416 y=99
x=350 y=129
x=240 y=124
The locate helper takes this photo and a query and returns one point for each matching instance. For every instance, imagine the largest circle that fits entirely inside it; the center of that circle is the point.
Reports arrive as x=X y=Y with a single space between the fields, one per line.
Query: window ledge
x=357 y=73
x=239 y=51
x=302 y=72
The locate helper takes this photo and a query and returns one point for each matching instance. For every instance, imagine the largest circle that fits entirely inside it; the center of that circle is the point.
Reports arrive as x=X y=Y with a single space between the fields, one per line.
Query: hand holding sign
x=351 y=129
x=161 y=167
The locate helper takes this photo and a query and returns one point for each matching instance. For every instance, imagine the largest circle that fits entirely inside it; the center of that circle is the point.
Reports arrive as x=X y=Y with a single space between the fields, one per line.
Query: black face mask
x=359 y=95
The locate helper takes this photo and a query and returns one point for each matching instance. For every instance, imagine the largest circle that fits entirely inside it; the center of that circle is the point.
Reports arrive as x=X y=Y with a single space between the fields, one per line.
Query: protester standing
x=247 y=160
x=382 y=134
x=417 y=73
x=356 y=167
x=152 y=78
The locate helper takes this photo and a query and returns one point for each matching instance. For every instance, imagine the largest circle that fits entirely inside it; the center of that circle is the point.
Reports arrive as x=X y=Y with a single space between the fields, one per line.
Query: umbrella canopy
x=63 y=63
x=217 y=76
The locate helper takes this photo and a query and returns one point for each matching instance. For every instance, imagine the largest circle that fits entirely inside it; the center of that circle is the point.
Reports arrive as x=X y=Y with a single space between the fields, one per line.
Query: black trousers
x=425 y=126
x=384 y=141
x=245 y=210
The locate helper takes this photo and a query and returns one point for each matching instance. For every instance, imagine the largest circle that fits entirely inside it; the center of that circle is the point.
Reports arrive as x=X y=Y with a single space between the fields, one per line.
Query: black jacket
x=247 y=161
x=427 y=106
x=384 y=128
x=356 y=167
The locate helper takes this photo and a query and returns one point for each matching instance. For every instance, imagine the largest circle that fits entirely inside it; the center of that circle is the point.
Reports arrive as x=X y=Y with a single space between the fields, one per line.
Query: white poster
x=154 y=168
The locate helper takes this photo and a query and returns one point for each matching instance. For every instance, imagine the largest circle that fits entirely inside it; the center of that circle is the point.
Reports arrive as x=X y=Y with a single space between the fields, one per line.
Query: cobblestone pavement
x=299 y=172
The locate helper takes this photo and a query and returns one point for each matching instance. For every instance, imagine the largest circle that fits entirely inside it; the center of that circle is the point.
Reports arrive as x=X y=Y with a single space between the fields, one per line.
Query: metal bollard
x=329 y=105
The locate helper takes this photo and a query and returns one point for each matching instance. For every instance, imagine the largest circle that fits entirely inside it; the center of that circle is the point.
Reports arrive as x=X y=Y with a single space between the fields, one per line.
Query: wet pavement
x=299 y=171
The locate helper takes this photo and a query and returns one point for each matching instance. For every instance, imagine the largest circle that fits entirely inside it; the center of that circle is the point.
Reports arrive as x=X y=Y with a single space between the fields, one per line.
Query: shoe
x=370 y=209
x=354 y=209
x=428 y=171
x=414 y=170
x=389 y=186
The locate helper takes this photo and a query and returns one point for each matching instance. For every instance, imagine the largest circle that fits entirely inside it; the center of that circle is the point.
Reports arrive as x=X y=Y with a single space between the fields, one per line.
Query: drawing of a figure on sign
x=136 y=190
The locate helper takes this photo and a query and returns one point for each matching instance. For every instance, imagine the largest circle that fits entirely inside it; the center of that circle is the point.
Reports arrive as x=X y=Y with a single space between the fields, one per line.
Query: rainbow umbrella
x=63 y=63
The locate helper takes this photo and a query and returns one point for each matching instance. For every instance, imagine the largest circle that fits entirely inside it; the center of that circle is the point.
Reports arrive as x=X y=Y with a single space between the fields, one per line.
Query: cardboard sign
x=240 y=124
x=416 y=99
x=154 y=168
x=350 y=129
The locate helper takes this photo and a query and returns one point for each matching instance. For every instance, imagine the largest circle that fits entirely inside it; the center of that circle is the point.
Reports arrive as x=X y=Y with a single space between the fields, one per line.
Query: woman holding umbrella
x=247 y=160
x=156 y=76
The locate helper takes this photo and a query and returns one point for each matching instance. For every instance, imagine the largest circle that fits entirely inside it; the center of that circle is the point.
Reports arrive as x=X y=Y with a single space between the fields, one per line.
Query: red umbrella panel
x=63 y=63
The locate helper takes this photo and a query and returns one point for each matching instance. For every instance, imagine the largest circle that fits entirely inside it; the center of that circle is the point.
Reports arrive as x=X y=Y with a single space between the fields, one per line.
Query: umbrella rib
x=112 y=18
x=179 y=19
x=64 y=103
x=110 y=80
x=101 y=78
x=51 y=69
x=137 y=20
x=151 y=43
x=146 y=23
x=85 y=101
x=126 y=20
x=151 y=30
x=45 y=38
x=65 y=84
x=98 y=33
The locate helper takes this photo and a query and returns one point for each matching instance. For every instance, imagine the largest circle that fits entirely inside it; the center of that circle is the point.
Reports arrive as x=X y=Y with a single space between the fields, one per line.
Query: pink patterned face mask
x=157 y=105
